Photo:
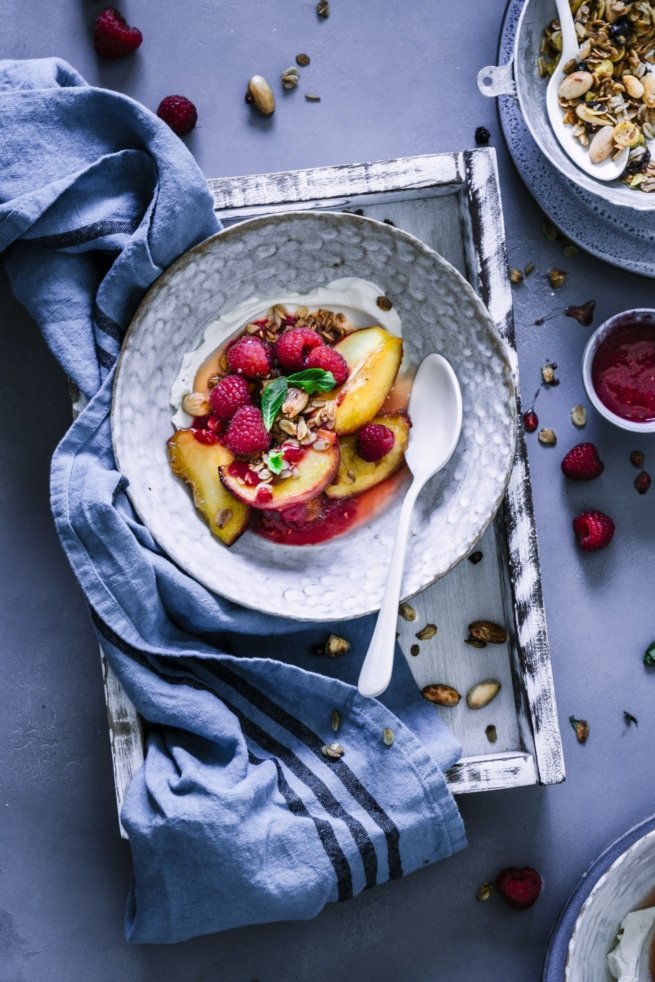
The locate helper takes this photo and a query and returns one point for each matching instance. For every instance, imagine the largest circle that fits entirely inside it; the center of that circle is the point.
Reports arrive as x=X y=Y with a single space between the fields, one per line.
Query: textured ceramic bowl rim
x=643 y=201
x=502 y=350
x=644 y=843
x=596 y=339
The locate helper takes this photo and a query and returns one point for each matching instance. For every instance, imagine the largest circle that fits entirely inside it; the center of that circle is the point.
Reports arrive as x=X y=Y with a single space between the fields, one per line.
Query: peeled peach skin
x=373 y=356
x=356 y=475
x=315 y=471
x=198 y=464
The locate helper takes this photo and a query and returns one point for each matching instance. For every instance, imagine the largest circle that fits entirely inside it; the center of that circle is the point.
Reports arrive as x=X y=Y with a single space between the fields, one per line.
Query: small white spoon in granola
x=586 y=158
x=435 y=409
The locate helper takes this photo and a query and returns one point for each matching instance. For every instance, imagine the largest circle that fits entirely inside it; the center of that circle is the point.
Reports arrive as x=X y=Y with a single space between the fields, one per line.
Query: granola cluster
x=608 y=94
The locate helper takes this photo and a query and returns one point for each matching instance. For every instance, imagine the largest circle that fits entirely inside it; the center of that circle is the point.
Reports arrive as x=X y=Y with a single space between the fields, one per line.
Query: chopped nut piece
x=482 y=693
x=579 y=416
x=333 y=751
x=323 y=8
x=475 y=557
x=384 y=303
x=490 y=733
x=290 y=77
x=335 y=720
x=548 y=373
x=475 y=642
x=581 y=727
x=196 y=404
x=556 y=278
x=484 y=891
x=407 y=612
x=302 y=60
x=336 y=646
x=415 y=650
x=441 y=694
x=516 y=276
x=294 y=403
x=547 y=437
x=387 y=736
x=427 y=632
x=487 y=631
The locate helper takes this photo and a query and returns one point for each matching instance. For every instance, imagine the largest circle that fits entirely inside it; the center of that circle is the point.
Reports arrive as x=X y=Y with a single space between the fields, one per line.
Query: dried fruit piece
x=415 y=650
x=530 y=421
x=637 y=459
x=333 y=751
x=547 y=437
x=482 y=693
x=482 y=136
x=583 y=313
x=427 y=632
x=302 y=60
x=593 y=529
x=490 y=733
x=487 y=631
x=475 y=557
x=441 y=694
x=407 y=612
x=556 y=278
x=643 y=482
x=520 y=888
x=581 y=728
x=323 y=8
x=579 y=416
x=484 y=891
x=387 y=736
x=582 y=463
x=311 y=97
x=336 y=646
x=384 y=303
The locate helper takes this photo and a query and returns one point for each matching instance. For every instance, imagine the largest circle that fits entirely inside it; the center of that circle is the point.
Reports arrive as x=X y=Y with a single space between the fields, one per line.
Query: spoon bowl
x=607 y=170
x=435 y=408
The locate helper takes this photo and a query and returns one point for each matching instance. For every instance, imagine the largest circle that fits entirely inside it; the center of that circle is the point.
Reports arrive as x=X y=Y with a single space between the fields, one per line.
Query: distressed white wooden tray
x=452 y=203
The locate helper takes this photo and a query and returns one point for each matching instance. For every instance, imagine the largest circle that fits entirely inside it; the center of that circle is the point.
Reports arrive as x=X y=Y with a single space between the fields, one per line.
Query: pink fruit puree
x=623 y=369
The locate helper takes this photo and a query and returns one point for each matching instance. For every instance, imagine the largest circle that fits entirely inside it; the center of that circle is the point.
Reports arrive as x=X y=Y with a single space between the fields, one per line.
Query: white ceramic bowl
x=439 y=311
x=625 y=885
x=590 y=350
x=520 y=78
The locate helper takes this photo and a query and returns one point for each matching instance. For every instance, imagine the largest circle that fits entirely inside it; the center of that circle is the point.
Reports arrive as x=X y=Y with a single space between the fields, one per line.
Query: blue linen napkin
x=236 y=816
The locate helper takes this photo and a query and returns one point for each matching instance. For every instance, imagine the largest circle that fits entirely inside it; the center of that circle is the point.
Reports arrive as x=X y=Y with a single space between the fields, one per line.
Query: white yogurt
x=628 y=962
x=354 y=297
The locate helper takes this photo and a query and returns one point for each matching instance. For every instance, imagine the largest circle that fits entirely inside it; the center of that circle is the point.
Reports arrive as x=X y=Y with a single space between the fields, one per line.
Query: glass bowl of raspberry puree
x=618 y=370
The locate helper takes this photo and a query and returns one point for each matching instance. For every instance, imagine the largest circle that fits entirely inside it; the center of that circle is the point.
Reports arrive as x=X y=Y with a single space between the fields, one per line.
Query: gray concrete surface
x=394 y=79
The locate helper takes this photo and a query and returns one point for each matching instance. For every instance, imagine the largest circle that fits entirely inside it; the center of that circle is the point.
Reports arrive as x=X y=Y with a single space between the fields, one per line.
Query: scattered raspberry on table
x=112 y=35
x=582 y=463
x=520 y=888
x=593 y=529
x=179 y=112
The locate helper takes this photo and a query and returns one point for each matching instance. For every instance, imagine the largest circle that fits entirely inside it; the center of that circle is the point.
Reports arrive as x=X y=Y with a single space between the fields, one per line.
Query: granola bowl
x=521 y=79
x=436 y=310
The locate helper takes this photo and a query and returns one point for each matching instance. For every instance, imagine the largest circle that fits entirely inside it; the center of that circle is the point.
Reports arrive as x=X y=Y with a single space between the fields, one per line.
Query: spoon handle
x=570 y=40
x=375 y=673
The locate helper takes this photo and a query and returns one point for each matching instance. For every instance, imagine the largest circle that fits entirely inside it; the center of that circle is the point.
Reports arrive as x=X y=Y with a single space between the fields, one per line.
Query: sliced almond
x=482 y=693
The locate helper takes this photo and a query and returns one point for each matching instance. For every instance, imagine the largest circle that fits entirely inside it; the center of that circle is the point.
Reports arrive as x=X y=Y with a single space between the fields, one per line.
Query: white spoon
x=607 y=170
x=435 y=408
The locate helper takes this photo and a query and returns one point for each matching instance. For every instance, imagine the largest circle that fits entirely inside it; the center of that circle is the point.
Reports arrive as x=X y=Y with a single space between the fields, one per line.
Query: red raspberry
x=112 y=35
x=249 y=356
x=582 y=463
x=179 y=112
x=374 y=441
x=292 y=347
x=246 y=433
x=228 y=395
x=330 y=361
x=520 y=888
x=593 y=529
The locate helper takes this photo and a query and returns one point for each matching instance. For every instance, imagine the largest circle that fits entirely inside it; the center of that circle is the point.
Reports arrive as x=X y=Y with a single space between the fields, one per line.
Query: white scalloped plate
x=299 y=251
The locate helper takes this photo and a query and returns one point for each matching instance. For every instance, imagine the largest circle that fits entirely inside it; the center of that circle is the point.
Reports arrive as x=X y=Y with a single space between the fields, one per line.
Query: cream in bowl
x=618 y=370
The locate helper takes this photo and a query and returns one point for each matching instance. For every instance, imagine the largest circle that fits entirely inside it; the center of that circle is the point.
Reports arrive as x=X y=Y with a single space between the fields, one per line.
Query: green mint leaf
x=273 y=398
x=312 y=380
x=275 y=461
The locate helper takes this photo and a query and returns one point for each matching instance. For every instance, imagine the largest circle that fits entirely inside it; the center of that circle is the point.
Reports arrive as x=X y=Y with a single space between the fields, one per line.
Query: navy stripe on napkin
x=107 y=325
x=86 y=233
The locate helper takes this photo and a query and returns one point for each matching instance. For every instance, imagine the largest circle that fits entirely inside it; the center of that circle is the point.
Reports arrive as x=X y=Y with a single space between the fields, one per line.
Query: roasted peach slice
x=316 y=469
x=356 y=475
x=198 y=464
x=373 y=356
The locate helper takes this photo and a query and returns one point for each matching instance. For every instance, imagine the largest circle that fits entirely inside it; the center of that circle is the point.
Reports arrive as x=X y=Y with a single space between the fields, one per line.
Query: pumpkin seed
x=335 y=720
x=407 y=612
x=487 y=631
x=482 y=693
x=387 y=736
x=427 y=632
x=441 y=694
x=336 y=646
